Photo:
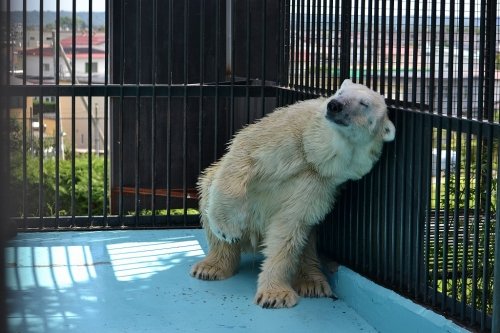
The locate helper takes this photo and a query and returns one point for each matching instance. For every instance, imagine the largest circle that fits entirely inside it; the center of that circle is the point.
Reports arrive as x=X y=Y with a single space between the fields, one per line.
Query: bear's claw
x=275 y=299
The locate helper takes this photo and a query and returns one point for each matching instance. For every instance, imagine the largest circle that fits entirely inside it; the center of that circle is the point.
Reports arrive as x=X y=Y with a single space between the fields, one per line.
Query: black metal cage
x=112 y=111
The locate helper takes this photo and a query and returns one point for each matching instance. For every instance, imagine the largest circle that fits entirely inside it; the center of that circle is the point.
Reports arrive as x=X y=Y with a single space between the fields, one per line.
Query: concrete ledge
x=384 y=309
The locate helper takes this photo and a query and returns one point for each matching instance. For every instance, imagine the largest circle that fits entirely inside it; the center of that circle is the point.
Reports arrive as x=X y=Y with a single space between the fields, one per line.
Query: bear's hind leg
x=226 y=216
x=310 y=280
x=284 y=244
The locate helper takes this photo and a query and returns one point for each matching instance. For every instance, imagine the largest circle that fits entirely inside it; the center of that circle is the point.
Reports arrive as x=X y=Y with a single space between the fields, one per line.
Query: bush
x=30 y=206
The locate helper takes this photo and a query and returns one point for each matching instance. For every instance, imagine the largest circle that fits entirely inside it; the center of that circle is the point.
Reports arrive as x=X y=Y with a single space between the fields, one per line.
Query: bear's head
x=359 y=112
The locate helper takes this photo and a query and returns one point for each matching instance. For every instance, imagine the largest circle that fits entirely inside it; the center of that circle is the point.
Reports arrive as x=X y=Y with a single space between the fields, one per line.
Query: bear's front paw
x=313 y=288
x=209 y=270
x=276 y=298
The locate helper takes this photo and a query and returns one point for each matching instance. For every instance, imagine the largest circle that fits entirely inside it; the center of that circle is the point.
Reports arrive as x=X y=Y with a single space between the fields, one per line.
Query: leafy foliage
x=74 y=189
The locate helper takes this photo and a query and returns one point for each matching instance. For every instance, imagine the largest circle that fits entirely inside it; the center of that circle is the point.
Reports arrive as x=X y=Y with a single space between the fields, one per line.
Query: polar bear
x=278 y=180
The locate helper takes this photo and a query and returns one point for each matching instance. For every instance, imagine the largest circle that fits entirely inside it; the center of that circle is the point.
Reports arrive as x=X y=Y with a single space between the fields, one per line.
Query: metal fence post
x=345 y=46
x=495 y=325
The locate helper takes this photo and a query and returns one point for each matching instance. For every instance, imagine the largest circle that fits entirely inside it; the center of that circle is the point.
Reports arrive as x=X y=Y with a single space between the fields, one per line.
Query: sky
x=66 y=5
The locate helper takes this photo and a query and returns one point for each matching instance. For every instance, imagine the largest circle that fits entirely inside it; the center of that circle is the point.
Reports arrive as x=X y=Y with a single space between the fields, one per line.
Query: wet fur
x=278 y=180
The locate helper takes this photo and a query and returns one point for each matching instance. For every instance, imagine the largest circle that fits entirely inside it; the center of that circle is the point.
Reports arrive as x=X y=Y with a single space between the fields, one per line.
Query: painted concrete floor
x=138 y=281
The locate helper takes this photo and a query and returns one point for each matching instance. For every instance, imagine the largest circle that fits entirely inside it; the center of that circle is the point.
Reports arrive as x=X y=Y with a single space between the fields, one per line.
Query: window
x=94 y=67
x=46 y=67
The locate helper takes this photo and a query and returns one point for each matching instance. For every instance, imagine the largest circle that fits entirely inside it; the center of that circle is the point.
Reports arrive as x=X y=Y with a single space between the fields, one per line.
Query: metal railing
x=122 y=148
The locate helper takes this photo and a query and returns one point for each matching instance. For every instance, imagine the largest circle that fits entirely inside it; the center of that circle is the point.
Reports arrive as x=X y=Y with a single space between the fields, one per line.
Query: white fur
x=278 y=180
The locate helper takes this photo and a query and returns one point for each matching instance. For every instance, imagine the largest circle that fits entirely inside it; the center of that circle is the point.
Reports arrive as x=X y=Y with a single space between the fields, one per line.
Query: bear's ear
x=389 y=131
x=346 y=83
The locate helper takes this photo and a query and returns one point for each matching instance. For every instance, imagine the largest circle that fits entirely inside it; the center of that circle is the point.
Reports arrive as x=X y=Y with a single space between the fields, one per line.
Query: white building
x=81 y=62
x=82 y=104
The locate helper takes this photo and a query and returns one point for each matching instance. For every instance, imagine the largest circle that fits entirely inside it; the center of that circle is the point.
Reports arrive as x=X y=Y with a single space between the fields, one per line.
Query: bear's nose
x=334 y=106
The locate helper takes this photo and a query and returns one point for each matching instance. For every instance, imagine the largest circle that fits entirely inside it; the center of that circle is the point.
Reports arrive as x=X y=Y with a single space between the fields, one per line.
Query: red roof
x=79 y=53
x=83 y=39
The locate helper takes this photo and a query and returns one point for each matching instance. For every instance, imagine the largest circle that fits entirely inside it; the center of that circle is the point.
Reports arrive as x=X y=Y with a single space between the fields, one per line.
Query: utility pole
x=60 y=134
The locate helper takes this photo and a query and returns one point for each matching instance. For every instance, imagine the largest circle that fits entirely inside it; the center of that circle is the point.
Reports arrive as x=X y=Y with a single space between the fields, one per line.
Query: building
x=82 y=108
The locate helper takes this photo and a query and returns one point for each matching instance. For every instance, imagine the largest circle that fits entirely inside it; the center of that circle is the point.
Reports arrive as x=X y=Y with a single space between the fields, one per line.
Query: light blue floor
x=138 y=281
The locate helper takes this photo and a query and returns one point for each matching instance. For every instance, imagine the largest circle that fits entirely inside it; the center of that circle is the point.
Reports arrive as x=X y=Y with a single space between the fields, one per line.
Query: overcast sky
x=81 y=5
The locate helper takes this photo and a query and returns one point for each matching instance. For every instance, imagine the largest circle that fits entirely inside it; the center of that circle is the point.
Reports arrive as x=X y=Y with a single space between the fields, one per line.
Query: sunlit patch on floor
x=140 y=260
x=53 y=267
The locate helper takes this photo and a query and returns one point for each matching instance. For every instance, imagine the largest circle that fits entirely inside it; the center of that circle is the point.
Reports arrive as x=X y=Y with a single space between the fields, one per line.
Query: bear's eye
x=364 y=104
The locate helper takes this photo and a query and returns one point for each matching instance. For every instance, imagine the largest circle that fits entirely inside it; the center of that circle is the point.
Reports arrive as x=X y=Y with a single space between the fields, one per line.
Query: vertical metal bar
x=354 y=62
x=409 y=174
x=362 y=37
x=419 y=205
x=487 y=222
x=391 y=46
x=477 y=207
x=414 y=82
x=202 y=81
x=435 y=168
x=230 y=63
x=137 y=141
x=216 y=67
x=382 y=47
x=170 y=19
x=121 y=114
x=470 y=68
x=444 y=273
x=490 y=49
x=89 y=122
x=56 y=41
x=446 y=216
x=229 y=36
x=306 y=45
x=106 y=120
x=427 y=164
x=324 y=54
x=283 y=50
x=397 y=97
x=369 y=49
x=4 y=172
x=456 y=216
x=451 y=35
x=311 y=45
x=441 y=58
x=378 y=219
x=495 y=322
x=346 y=39
x=437 y=207
x=318 y=69
x=302 y=48
x=73 y=114
x=408 y=15
x=393 y=206
x=465 y=255
x=403 y=207
x=370 y=196
x=25 y=148
x=423 y=59
x=247 y=65
x=154 y=58
x=263 y=56
x=184 y=114
x=292 y=38
x=41 y=204
x=376 y=50
x=331 y=46
x=8 y=43
x=480 y=65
